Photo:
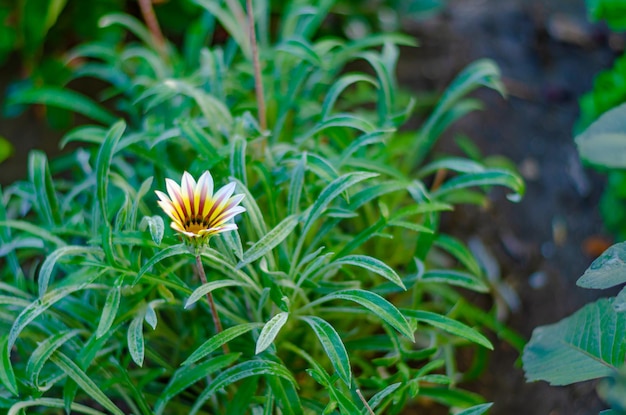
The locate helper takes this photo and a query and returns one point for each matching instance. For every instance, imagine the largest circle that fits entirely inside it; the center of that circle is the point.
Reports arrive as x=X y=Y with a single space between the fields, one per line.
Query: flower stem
x=258 y=82
x=149 y=17
x=216 y=318
x=369 y=410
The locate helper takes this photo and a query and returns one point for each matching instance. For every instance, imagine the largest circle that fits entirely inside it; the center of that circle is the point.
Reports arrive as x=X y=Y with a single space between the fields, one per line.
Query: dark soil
x=548 y=54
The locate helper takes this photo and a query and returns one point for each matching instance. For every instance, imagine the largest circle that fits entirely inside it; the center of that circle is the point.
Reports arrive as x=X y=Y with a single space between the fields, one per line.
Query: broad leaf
x=587 y=345
x=608 y=270
x=604 y=142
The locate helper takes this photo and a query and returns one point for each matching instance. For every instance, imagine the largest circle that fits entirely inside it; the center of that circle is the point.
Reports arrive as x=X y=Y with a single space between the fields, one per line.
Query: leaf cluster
x=338 y=294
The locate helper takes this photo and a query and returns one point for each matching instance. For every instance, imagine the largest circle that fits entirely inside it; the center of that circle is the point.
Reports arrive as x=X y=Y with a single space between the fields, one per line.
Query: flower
x=195 y=211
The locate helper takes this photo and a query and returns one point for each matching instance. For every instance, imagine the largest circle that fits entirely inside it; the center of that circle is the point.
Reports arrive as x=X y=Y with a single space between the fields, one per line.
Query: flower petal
x=203 y=193
x=173 y=189
x=188 y=185
x=220 y=199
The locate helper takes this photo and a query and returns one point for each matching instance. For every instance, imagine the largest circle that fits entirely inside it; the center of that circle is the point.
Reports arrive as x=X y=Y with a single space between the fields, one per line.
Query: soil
x=548 y=53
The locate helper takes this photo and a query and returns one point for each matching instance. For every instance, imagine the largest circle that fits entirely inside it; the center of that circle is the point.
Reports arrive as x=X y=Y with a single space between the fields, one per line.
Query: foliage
x=610 y=10
x=609 y=91
x=591 y=343
x=338 y=293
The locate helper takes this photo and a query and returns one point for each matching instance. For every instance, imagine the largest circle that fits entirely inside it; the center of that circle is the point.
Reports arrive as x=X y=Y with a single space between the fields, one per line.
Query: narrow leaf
x=66 y=99
x=204 y=289
x=450 y=325
x=242 y=371
x=477 y=409
x=270 y=331
x=109 y=311
x=45 y=273
x=86 y=384
x=377 y=305
x=372 y=264
x=218 y=340
x=7 y=376
x=333 y=346
x=270 y=240
x=103 y=165
x=135 y=339
x=457 y=278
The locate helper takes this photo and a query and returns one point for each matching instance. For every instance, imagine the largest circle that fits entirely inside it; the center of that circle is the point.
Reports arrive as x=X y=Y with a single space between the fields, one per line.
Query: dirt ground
x=548 y=54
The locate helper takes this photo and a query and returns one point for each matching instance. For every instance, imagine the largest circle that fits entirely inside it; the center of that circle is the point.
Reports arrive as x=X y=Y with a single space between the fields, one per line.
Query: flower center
x=195 y=225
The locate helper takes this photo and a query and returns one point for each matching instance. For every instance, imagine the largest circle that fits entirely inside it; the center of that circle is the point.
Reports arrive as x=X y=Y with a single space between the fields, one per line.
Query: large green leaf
x=587 y=345
x=608 y=270
x=604 y=142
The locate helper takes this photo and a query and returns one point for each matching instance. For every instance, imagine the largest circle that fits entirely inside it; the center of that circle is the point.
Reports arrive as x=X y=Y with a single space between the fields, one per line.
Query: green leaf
x=338 y=87
x=301 y=49
x=186 y=376
x=34 y=230
x=39 y=174
x=457 y=278
x=333 y=346
x=63 y=98
x=134 y=338
x=103 y=165
x=450 y=325
x=204 y=289
x=109 y=311
x=458 y=250
x=242 y=371
x=45 y=273
x=371 y=264
x=270 y=240
x=378 y=398
x=330 y=192
x=482 y=72
x=606 y=271
x=270 y=331
x=17 y=408
x=490 y=177
x=42 y=353
x=604 y=142
x=37 y=307
x=296 y=184
x=377 y=305
x=586 y=345
x=170 y=251
x=7 y=376
x=131 y=24
x=84 y=134
x=219 y=339
x=85 y=383
x=477 y=409
x=156 y=226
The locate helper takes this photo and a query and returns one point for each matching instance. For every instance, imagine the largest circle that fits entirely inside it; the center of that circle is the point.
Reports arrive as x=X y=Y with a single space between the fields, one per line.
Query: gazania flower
x=195 y=211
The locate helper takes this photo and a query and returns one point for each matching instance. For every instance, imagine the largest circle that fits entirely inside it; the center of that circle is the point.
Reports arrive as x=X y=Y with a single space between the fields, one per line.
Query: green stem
x=216 y=318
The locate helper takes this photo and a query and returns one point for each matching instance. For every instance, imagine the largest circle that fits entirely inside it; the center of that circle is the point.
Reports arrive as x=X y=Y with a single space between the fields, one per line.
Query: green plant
x=337 y=294
x=591 y=343
x=609 y=91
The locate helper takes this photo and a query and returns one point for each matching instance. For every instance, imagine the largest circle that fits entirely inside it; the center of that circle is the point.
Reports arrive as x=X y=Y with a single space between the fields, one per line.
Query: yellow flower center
x=195 y=225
